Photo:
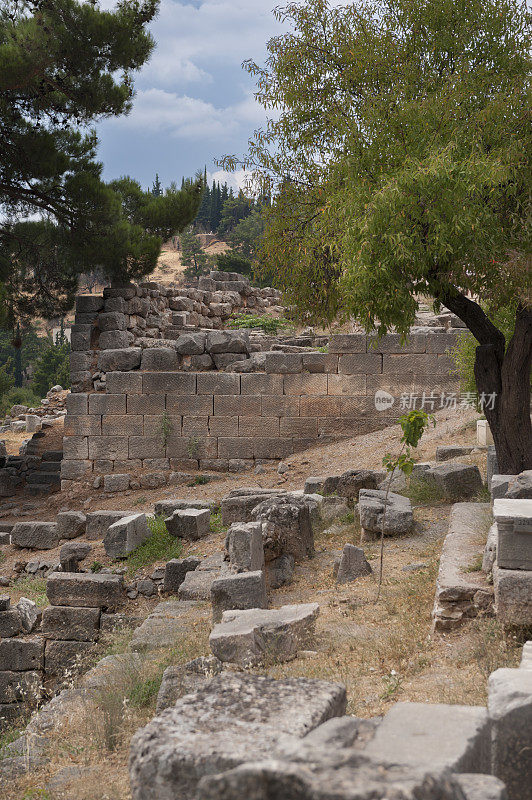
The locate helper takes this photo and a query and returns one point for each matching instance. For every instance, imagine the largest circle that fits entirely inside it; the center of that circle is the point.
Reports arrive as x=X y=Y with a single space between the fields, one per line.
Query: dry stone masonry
x=157 y=386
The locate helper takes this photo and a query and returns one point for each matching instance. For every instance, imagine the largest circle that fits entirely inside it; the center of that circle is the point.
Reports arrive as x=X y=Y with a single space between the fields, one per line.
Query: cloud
x=236 y=180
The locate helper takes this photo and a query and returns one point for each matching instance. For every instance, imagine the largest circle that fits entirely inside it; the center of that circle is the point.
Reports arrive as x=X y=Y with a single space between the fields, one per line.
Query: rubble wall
x=209 y=398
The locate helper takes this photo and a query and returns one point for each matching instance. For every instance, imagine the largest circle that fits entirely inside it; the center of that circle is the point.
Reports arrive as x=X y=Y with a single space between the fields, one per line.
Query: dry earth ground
x=384 y=652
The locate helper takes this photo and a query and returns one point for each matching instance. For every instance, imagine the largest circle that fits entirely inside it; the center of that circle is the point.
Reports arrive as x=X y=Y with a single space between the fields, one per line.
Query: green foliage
x=160 y=546
x=143 y=692
x=217 y=525
x=31 y=347
x=384 y=192
x=7 y=381
x=193 y=257
x=32 y=588
x=425 y=493
x=246 y=235
x=54 y=85
x=52 y=368
x=193 y=447
x=18 y=397
x=265 y=323
x=166 y=428
x=96 y=566
x=233 y=261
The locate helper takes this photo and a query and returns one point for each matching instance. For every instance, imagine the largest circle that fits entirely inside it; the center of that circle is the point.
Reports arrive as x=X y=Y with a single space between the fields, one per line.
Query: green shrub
x=160 y=546
x=18 y=397
x=52 y=368
x=265 y=323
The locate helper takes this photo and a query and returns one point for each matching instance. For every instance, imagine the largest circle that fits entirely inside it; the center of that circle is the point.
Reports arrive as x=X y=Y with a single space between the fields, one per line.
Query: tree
x=233 y=261
x=157 y=189
x=246 y=235
x=234 y=210
x=193 y=256
x=401 y=160
x=53 y=367
x=54 y=82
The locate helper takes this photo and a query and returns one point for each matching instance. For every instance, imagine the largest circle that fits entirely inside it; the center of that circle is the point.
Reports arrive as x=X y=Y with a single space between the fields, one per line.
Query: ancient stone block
x=259 y=384
x=448 y=452
x=112 y=321
x=240 y=591
x=510 y=712
x=350 y=385
x=162 y=382
x=98 y=522
x=35 y=535
x=84 y=590
x=244 y=548
x=282 y=363
x=259 y=426
x=115 y=340
x=76 y=448
x=305 y=384
x=320 y=407
x=71 y=623
x=189 y=344
x=147 y=447
x=237 y=405
x=20 y=686
x=80 y=337
x=360 y=363
x=251 y=636
x=320 y=362
x=10 y=623
x=89 y=302
x=191 y=405
x=513 y=596
x=61 y=656
x=456 y=480
x=145 y=404
x=190 y=523
x=520 y=487
x=77 y=404
x=286 y=527
x=514 y=526
x=160 y=359
x=218 y=384
x=124 y=382
x=107 y=404
x=352 y=564
x=197 y=585
x=235 y=447
x=75 y=469
x=124 y=535
x=90 y=425
x=117 y=482
x=119 y=360
x=280 y=406
x=398 y=519
x=272 y=448
x=227 y=342
x=175 y=571
x=195 y=426
x=180 y=680
x=21 y=654
x=347 y=343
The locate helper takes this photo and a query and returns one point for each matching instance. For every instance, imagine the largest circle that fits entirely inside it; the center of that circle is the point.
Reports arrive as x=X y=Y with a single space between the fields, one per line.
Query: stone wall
x=160 y=404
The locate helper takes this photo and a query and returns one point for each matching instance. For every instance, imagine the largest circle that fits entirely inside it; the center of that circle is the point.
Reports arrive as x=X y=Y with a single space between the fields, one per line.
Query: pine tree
x=157 y=189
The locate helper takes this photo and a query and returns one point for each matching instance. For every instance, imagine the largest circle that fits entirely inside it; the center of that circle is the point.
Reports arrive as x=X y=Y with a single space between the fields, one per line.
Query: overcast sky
x=194 y=102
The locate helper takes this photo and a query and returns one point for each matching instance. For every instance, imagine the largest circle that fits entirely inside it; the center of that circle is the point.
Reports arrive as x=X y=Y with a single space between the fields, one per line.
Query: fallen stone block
x=254 y=636
x=116 y=482
x=61 y=657
x=68 y=622
x=352 y=564
x=164 y=627
x=189 y=523
x=280 y=571
x=513 y=596
x=499 y=485
x=398 y=519
x=71 y=524
x=98 y=522
x=520 y=487
x=10 y=623
x=197 y=585
x=314 y=485
x=35 y=535
x=459 y=593
x=510 y=713
x=448 y=452
x=84 y=590
x=457 y=481
x=28 y=613
x=165 y=508
x=239 y=505
x=72 y=553
x=286 y=527
x=124 y=535
x=332 y=508
x=21 y=654
x=233 y=719
x=186 y=678
x=241 y=591
x=514 y=529
x=244 y=548
x=432 y=734
x=176 y=570
x=351 y=482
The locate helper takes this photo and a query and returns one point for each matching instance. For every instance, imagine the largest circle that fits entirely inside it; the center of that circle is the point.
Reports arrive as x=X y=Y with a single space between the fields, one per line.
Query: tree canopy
x=400 y=151
x=65 y=64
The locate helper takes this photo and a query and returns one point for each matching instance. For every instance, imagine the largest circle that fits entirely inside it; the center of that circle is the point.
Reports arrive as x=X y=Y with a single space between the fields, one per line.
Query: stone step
x=43 y=478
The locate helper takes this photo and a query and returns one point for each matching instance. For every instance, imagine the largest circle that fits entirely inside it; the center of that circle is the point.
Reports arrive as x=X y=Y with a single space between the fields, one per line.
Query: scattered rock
x=190 y=523
x=72 y=553
x=399 y=517
x=352 y=564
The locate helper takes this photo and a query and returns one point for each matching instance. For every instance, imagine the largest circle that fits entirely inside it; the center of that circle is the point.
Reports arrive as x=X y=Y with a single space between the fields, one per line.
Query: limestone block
x=484 y=435
x=241 y=591
x=10 y=623
x=98 y=522
x=244 y=548
x=74 y=469
x=112 y=321
x=61 y=656
x=71 y=524
x=361 y=363
x=124 y=382
x=77 y=403
x=513 y=596
x=35 y=535
x=510 y=713
x=160 y=359
x=119 y=360
x=189 y=344
x=227 y=342
x=164 y=628
x=190 y=524
x=180 y=680
x=166 y=508
x=197 y=584
x=457 y=480
x=520 y=486
x=117 y=482
x=499 y=485
x=124 y=535
x=314 y=485
x=71 y=623
x=347 y=343
x=76 y=448
x=89 y=303
x=261 y=385
x=163 y=382
x=115 y=340
x=107 y=404
x=249 y=637
x=218 y=383
x=286 y=527
x=279 y=572
x=448 y=452
x=352 y=564
x=398 y=519
x=84 y=590
x=514 y=527
x=29 y=614
x=21 y=654
x=233 y=719
x=282 y=363
x=19 y=686
x=175 y=571
x=72 y=553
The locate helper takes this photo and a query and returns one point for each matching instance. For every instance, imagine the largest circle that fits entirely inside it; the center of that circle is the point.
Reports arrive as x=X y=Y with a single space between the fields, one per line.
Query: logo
x=383 y=400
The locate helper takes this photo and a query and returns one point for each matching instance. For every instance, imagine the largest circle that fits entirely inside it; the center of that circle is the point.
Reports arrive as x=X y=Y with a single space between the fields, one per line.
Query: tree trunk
x=502 y=378
x=509 y=378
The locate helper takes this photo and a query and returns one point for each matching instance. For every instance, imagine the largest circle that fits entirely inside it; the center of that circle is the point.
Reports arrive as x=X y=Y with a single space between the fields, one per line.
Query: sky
x=194 y=103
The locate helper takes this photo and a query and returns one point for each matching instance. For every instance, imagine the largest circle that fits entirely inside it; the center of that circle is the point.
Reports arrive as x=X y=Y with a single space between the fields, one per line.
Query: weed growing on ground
x=217 y=525
x=199 y=480
x=265 y=323
x=193 y=447
x=96 y=566
x=483 y=495
x=160 y=546
x=140 y=501
x=32 y=588
x=425 y=493
x=476 y=564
